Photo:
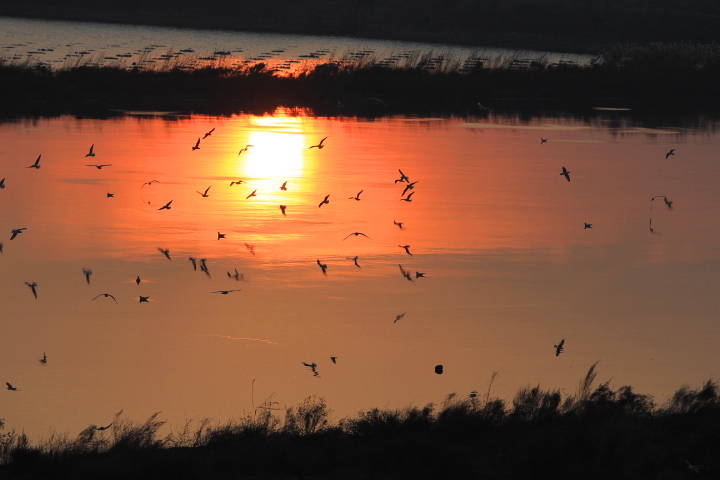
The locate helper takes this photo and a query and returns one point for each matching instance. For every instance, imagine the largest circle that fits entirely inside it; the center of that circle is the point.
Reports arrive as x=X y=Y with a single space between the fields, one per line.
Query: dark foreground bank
x=598 y=433
x=668 y=77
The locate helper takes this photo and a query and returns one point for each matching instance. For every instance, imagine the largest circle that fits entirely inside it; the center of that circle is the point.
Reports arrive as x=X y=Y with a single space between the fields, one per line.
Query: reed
x=596 y=433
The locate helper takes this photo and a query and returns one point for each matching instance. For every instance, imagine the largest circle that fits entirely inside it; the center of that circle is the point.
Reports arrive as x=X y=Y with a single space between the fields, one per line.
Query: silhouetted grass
x=597 y=433
x=673 y=76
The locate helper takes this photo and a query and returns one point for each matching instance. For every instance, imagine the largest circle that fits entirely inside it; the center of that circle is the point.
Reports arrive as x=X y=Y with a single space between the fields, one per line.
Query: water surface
x=509 y=268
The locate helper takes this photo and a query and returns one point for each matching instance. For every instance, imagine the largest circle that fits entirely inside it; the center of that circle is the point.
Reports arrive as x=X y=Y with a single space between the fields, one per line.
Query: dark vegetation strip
x=597 y=433
x=678 y=77
x=540 y=24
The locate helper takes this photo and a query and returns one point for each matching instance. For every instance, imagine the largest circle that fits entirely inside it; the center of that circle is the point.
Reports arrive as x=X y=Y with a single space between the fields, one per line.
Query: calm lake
x=510 y=269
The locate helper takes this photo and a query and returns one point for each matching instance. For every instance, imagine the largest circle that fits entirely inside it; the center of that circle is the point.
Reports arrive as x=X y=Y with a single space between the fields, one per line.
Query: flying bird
x=409 y=186
x=220 y=235
x=559 y=347
x=33 y=287
x=197 y=144
x=688 y=465
x=668 y=203
x=193 y=261
x=408 y=198
x=99 y=167
x=144 y=299
x=319 y=145
x=36 y=164
x=208 y=134
x=543 y=140
x=587 y=225
x=405 y=273
x=90 y=152
x=282 y=208
x=333 y=359
x=225 y=292
x=244 y=149
x=251 y=195
x=205 y=193
x=149 y=183
x=165 y=252
x=323 y=267
x=106 y=295
x=2 y=183
x=356 y=197
x=398 y=317
x=236 y=183
x=355 y=260
x=43 y=360
x=15 y=232
x=87 y=272
x=399 y=224
x=313 y=367
x=671 y=152
x=439 y=369
x=283 y=187
x=356 y=234
x=565 y=174
x=10 y=387
x=237 y=276
x=250 y=248
x=166 y=206
x=109 y=195
x=403 y=177
x=137 y=280
x=325 y=200
x=407 y=248
x=419 y=275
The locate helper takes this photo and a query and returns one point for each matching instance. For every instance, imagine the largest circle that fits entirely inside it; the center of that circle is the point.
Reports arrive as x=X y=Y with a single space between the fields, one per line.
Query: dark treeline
x=541 y=24
x=598 y=433
x=665 y=77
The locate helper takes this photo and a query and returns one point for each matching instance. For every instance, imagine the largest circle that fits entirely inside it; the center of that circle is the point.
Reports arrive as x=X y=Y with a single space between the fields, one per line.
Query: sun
x=277 y=150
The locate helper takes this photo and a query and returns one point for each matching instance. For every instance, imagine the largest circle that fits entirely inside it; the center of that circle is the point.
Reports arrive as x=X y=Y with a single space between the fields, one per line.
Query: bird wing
x=321 y=141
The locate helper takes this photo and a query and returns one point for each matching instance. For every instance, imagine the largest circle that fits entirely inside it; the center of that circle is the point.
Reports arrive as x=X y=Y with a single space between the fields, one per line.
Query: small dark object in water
x=439 y=369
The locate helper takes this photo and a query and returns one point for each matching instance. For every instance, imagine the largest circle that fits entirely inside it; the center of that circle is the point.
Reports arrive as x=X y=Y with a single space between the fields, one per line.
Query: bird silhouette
x=194 y=263
x=250 y=248
x=356 y=197
x=90 y=152
x=283 y=187
x=409 y=186
x=356 y=234
x=543 y=140
x=439 y=369
x=671 y=152
x=106 y=295
x=144 y=299
x=150 y=183
x=312 y=367
x=355 y=260
x=669 y=203
x=37 y=163
x=325 y=200
x=166 y=206
x=2 y=183
x=87 y=272
x=244 y=149
x=165 y=252
x=220 y=235
x=559 y=347
x=408 y=198
x=10 y=387
x=333 y=359
x=109 y=195
x=43 y=360
x=205 y=193
x=282 y=208
x=137 y=280
x=399 y=224
x=99 y=167
x=688 y=465
x=197 y=144
x=399 y=317
x=319 y=145
x=403 y=177
x=323 y=267
x=407 y=248
x=587 y=225
x=405 y=273
x=225 y=292
x=33 y=287
x=236 y=183
x=565 y=174
x=419 y=275
x=251 y=195
x=16 y=231
x=208 y=134
x=237 y=276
